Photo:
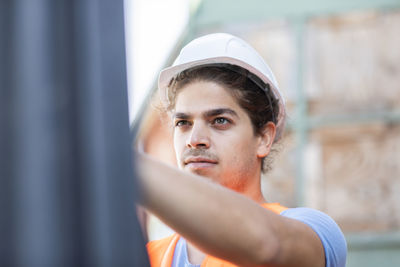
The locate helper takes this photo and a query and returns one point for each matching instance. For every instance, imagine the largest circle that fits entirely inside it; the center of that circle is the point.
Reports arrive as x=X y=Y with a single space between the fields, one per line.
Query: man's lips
x=199 y=162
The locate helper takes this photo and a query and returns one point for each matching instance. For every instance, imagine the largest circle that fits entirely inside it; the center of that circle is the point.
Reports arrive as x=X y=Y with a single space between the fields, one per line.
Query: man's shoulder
x=328 y=231
x=316 y=219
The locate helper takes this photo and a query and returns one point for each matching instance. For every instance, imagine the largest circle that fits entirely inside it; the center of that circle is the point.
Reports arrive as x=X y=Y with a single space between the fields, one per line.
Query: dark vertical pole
x=5 y=137
x=67 y=188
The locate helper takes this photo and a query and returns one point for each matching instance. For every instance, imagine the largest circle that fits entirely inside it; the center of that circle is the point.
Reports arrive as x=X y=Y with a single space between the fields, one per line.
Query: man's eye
x=221 y=121
x=181 y=123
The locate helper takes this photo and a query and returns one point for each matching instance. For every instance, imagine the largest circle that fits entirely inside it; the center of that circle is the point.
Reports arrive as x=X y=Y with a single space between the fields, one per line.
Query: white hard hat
x=220 y=48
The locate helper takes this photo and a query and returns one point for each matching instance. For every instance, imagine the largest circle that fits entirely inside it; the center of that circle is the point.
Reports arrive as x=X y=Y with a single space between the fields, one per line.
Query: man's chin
x=208 y=173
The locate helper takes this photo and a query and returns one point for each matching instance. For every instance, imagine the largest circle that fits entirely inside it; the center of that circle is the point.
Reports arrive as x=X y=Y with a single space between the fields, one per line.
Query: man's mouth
x=199 y=162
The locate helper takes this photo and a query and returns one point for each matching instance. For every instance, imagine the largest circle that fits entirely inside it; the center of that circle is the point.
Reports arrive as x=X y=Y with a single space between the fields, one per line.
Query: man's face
x=213 y=136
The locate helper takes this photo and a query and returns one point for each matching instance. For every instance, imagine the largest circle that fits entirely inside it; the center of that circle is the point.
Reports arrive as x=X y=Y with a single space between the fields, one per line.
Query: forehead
x=205 y=95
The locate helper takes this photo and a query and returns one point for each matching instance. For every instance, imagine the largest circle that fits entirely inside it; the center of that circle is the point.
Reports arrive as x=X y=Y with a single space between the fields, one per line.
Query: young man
x=227 y=112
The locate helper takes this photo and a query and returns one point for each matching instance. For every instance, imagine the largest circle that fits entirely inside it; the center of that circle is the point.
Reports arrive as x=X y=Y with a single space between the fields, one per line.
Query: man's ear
x=267 y=137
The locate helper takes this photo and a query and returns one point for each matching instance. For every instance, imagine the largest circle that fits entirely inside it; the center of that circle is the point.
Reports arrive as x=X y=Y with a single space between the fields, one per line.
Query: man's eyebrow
x=180 y=115
x=219 y=111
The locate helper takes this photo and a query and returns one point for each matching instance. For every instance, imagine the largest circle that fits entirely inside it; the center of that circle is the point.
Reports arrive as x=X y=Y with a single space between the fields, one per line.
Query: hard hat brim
x=169 y=73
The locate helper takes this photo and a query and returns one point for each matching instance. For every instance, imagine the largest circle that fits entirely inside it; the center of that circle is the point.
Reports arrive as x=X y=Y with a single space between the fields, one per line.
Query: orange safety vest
x=161 y=252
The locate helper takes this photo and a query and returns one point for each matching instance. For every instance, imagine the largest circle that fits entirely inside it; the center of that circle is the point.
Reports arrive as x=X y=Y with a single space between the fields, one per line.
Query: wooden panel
x=361 y=171
x=353 y=63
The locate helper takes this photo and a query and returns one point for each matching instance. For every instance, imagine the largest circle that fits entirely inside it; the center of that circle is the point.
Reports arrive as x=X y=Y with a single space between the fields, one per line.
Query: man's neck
x=253 y=191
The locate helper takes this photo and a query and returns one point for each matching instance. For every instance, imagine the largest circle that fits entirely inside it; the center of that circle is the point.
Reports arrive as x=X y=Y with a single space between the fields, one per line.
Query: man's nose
x=198 y=137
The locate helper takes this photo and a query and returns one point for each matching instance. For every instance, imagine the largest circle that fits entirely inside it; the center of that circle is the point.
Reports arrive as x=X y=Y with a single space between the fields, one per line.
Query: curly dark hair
x=251 y=93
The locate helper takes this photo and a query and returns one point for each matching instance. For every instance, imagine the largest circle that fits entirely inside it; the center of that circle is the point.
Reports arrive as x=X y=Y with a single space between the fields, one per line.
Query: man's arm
x=227 y=225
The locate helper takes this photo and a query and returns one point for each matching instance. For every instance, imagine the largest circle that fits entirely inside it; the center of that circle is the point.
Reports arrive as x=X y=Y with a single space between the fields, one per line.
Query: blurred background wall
x=338 y=63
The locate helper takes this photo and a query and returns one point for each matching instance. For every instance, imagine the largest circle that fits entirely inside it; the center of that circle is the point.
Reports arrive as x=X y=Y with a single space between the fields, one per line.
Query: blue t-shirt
x=328 y=231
